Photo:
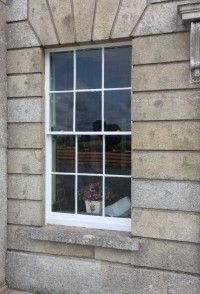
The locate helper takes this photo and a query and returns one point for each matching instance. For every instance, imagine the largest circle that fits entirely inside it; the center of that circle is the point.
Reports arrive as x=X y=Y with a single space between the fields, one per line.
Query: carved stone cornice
x=195 y=52
x=189 y=12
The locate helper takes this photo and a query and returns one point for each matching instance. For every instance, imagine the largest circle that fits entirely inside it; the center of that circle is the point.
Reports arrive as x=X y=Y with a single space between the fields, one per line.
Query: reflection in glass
x=117 y=67
x=89 y=69
x=118 y=155
x=61 y=112
x=90 y=155
x=121 y=200
x=63 y=193
x=88 y=111
x=62 y=71
x=117 y=112
x=63 y=153
x=90 y=195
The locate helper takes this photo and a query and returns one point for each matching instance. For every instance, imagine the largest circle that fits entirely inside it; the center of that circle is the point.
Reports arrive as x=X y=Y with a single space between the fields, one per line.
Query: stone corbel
x=191 y=13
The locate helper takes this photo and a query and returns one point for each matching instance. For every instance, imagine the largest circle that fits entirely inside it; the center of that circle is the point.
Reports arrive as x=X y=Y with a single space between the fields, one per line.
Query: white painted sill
x=86 y=237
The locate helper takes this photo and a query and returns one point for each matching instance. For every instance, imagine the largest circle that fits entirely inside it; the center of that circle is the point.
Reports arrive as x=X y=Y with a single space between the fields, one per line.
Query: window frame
x=56 y=218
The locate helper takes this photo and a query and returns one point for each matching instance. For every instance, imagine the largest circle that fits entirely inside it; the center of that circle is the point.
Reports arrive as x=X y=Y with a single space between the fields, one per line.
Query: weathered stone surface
x=40 y=19
x=162 y=48
x=19 y=238
x=91 y=277
x=162 y=77
x=166 y=165
x=81 y=236
x=179 y=226
x=18 y=292
x=63 y=19
x=25 y=135
x=20 y=35
x=167 y=255
x=128 y=16
x=17 y=10
x=166 y=105
x=113 y=255
x=25 y=187
x=24 y=110
x=25 y=61
x=24 y=161
x=180 y=195
x=25 y=85
x=104 y=18
x=25 y=212
x=184 y=135
x=83 y=19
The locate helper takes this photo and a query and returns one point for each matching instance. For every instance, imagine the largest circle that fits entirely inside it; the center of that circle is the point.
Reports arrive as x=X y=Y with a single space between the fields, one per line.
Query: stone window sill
x=88 y=237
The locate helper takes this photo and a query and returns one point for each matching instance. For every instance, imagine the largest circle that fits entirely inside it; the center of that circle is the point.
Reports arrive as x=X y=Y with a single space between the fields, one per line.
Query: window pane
x=63 y=157
x=117 y=110
x=63 y=193
x=62 y=71
x=90 y=195
x=62 y=112
x=89 y=69
x=118 y=155
x=88 y=111
x=118 y=202
x=90 y=157
x=117 y=67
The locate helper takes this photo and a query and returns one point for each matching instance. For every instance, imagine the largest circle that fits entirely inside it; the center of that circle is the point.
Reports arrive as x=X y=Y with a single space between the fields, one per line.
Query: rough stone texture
x=18 y=292
x=19 y=238
x=40 y=19
x=24 y=110
x=166 y=135
x=166 y=165
x=166 y=105
x=162 y=77
x=20 y=35
x=176 y=256
x=25 y=161
x=179 y=226
x=25 y=212
x=34 y=273
x=81 y=236
x=104 y=18
x=19 y=135
x=173 y=195
x=63 y=19
x=162 y=48
x=113 y=255
x=128 y=16
x=83 y=19
x=25 y=61
x=25 y=187
x=25 y=85
x=17 y=10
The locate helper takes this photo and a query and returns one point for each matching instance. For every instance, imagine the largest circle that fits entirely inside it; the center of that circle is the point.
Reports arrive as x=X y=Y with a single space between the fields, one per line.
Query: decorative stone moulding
x=191 y=13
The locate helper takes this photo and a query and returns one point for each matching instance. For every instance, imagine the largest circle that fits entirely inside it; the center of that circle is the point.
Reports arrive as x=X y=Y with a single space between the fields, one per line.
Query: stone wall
x=165 y=160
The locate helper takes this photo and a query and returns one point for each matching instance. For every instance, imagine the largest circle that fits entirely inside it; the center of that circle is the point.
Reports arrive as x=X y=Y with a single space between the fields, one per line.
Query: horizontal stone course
x=172 y=195
x=169 y=225
x=113 y=255
x=171 y=165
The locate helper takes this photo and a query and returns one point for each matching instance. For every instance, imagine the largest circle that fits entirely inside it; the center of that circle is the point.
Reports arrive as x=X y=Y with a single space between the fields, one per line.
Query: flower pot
x=93 y=207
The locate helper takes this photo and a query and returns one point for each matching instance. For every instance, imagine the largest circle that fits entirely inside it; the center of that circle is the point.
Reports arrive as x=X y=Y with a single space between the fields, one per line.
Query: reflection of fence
x=90 y=157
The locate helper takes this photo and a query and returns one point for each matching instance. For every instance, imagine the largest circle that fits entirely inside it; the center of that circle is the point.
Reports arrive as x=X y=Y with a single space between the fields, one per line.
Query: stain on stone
x=25 y=168
x=158 y=103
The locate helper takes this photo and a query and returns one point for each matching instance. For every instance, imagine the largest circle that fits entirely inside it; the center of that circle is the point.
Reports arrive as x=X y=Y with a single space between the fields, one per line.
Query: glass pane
x=62 y=112
x=117 y=67
x=118 y=155
x=62 y=71
x=90 y=195
x=119 y=202
x=63 y=154
x=117 y=110
x=89 y=69
x=90 y=157
x=88 y=111
x=63 y=193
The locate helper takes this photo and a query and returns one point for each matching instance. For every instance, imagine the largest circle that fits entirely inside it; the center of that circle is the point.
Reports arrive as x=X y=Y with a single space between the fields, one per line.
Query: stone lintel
x=81 y=236
x=189 y=12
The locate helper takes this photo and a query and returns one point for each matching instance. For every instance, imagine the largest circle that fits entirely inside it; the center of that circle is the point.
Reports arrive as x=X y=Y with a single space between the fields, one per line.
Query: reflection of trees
x=97 y=127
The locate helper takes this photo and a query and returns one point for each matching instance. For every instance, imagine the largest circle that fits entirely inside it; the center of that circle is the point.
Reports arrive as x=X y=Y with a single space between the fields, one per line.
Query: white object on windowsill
x=121 y=208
